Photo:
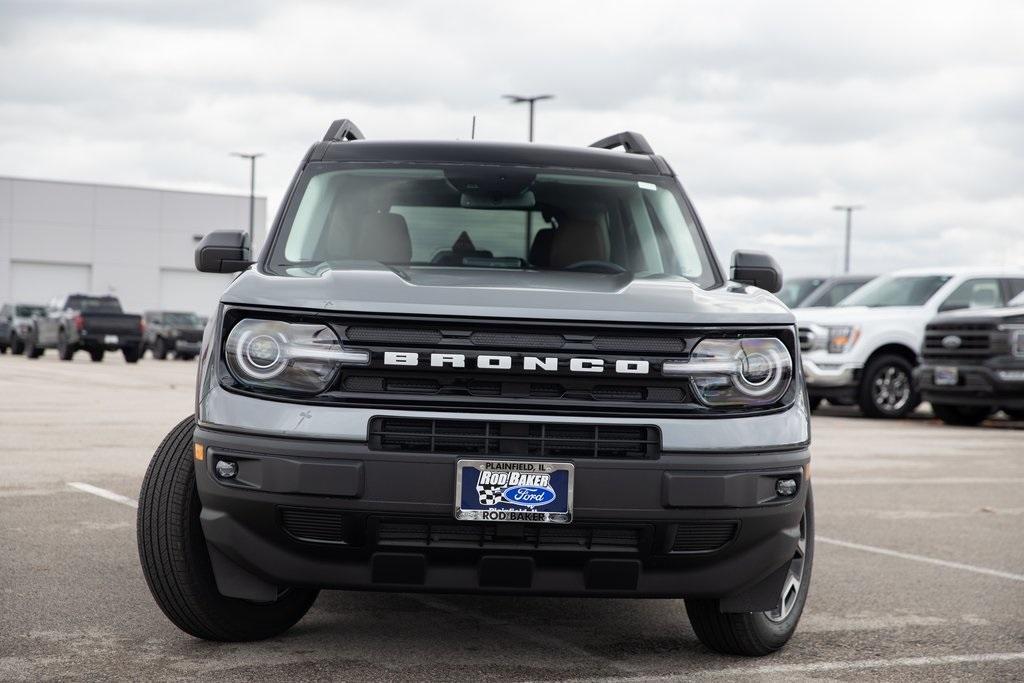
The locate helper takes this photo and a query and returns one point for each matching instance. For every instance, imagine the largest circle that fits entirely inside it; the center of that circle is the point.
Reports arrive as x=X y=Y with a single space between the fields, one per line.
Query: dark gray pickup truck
x=81 y=322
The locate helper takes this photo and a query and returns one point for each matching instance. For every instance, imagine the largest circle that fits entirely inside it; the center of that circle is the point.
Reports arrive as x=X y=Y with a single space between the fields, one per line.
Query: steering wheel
x=596 y=266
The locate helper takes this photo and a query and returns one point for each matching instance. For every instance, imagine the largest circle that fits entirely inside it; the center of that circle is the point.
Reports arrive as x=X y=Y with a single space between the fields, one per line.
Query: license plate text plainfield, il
x=513 y=491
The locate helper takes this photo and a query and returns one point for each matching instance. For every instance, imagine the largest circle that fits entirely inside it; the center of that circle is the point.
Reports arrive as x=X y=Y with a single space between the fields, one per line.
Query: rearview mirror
x=758 y=269
x=223 y=251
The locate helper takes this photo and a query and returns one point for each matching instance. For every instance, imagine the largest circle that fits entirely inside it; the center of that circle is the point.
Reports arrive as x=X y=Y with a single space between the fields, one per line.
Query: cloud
x=770 y=113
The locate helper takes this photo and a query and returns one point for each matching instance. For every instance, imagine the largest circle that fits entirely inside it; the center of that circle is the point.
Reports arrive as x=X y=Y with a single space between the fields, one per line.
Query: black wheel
x=17 y=345
x=160 y=349
x=32 y=350
x=961 y=416
x=64 y=350
x=3 y=349
x=96 y=355
x=176 y=563
x=754 y=634
x=815 y=403
x=131 y=354
x=887 y=388
x=1014 y=413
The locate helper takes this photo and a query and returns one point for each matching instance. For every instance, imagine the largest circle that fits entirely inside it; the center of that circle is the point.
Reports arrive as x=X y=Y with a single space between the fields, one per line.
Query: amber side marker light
x=200 y=451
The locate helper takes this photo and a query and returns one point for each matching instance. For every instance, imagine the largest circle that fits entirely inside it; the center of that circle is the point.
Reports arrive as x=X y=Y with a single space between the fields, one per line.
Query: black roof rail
x=343 y=129
x=633 y=143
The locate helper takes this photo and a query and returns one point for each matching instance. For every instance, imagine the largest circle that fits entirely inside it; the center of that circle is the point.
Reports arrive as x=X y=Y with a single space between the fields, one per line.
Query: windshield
x=491 y=217
x=796 y=290
x=181 y=319
x=28 y=311
x=897 y=291
x=1017 y=300
x=94 y=304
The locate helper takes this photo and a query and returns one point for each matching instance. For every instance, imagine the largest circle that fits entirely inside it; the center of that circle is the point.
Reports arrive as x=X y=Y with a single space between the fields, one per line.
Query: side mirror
x=223 y=251
x=758 y=269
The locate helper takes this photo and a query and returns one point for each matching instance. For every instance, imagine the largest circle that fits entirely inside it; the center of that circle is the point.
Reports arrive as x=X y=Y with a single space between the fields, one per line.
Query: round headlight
x=746 y=371
x=295 y=357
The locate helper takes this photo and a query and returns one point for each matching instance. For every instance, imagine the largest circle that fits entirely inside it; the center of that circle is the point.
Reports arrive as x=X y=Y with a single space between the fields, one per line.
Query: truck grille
x=478 y=437
x=954 y=341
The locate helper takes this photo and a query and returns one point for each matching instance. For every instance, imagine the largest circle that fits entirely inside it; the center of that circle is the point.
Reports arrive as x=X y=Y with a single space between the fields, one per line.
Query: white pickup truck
x=863 y=351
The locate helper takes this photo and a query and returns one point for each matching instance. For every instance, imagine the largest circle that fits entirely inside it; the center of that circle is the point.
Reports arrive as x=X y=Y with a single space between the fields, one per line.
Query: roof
x=478 y=151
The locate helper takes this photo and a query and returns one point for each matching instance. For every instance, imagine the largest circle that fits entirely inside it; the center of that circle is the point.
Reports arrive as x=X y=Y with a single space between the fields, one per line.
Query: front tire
x=176 y=563
x=96 y=355
x=32 y=350
x=64 y=350
x=131 y=354
x=17 y=345
x=961 y=416
x=755 y=634
x=160 y=349
x=887 y=388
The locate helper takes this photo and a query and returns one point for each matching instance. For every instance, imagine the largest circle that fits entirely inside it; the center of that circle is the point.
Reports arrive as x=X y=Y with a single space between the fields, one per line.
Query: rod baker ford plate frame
x=514 y=491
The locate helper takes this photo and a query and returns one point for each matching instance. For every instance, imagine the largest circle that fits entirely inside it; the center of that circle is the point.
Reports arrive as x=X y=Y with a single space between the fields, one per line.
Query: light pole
x=519 y=99
x=252 y=191
x=849 y=209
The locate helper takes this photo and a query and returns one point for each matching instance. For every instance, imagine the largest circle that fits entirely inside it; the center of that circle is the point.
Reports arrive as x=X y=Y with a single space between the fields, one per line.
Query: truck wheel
x=754 y=634
x=887 y=388
x=32 y=350
x=961 y=416
x=64 y=350
x=96 y=355
x=160 y=349
x=131 y=354
x=176 y=563
x=17 y=345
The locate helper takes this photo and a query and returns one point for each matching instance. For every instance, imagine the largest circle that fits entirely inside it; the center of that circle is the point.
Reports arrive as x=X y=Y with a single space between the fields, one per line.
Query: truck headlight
x=734 y=372
x=274 y=354
x=842 y=338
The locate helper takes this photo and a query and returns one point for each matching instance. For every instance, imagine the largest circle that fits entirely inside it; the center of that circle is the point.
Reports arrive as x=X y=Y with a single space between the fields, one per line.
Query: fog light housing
x=785 y=487
x=226 y=469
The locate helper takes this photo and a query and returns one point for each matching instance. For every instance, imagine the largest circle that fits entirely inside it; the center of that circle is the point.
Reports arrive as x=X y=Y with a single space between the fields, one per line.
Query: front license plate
x=513 y=491
x=110 y=339
x=946 y=376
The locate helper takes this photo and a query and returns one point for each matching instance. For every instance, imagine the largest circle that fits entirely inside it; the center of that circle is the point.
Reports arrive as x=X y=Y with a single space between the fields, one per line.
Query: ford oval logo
x=952 y=342
x=530 y=496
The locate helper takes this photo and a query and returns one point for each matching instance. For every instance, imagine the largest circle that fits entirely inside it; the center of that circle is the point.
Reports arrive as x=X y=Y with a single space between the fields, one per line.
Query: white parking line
x=812 y=667
x=103 y=493
x=919 y=558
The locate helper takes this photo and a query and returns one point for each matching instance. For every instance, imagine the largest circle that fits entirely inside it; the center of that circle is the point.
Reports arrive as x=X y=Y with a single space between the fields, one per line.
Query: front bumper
x=333 y=514
x=979 y=385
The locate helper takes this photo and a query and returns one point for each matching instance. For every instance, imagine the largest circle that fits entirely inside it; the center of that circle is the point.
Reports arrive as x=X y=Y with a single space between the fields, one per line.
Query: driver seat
x=578 y=240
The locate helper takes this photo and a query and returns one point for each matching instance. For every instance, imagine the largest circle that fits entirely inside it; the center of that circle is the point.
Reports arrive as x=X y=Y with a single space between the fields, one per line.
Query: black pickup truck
x=81 y=322
x=974 y=364
x=171 y=332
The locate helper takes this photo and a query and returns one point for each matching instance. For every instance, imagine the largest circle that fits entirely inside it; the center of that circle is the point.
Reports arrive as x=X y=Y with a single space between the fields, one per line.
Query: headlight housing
x=272 y=354
x=754 y=371
x=841 y=338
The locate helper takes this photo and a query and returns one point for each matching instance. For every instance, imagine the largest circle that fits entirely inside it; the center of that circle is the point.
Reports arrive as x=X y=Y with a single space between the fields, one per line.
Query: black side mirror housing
x=758 y=269
x=223 y=251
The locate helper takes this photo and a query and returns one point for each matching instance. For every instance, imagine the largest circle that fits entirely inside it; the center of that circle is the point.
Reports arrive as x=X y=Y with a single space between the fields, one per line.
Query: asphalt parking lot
x=919 y=568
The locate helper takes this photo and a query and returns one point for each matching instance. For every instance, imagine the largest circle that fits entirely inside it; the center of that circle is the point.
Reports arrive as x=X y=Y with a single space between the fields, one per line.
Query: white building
x=133 y=242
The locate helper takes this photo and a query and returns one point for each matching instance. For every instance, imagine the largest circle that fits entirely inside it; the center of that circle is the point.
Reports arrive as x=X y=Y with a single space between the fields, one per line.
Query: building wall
x=132 y=242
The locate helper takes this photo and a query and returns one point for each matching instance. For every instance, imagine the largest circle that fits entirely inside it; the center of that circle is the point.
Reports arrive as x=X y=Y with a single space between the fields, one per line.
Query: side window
x=978 y=293
x=1014 y=286
x=839 y=292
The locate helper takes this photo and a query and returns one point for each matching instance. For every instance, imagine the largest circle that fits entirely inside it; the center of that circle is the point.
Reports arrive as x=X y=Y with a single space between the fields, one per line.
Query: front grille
x=422 y=533
x=547 y=440
x=957 y=341
x=701 y=536
x=517 y=366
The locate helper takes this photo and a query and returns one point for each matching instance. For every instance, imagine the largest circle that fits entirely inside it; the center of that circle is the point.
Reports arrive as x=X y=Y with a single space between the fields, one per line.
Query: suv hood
x=473 y=292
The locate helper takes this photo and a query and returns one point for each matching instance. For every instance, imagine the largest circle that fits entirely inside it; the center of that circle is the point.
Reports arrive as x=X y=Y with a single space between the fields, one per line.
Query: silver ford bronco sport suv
x=473 y=367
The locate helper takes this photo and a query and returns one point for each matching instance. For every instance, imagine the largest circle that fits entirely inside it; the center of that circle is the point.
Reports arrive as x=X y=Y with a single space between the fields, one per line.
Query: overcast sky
x=770 y=112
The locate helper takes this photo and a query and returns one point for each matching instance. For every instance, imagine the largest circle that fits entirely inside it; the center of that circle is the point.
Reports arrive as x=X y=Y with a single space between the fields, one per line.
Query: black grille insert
x=477 y=437
x=701 y=536
x=422 y=533
x=317 y=525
